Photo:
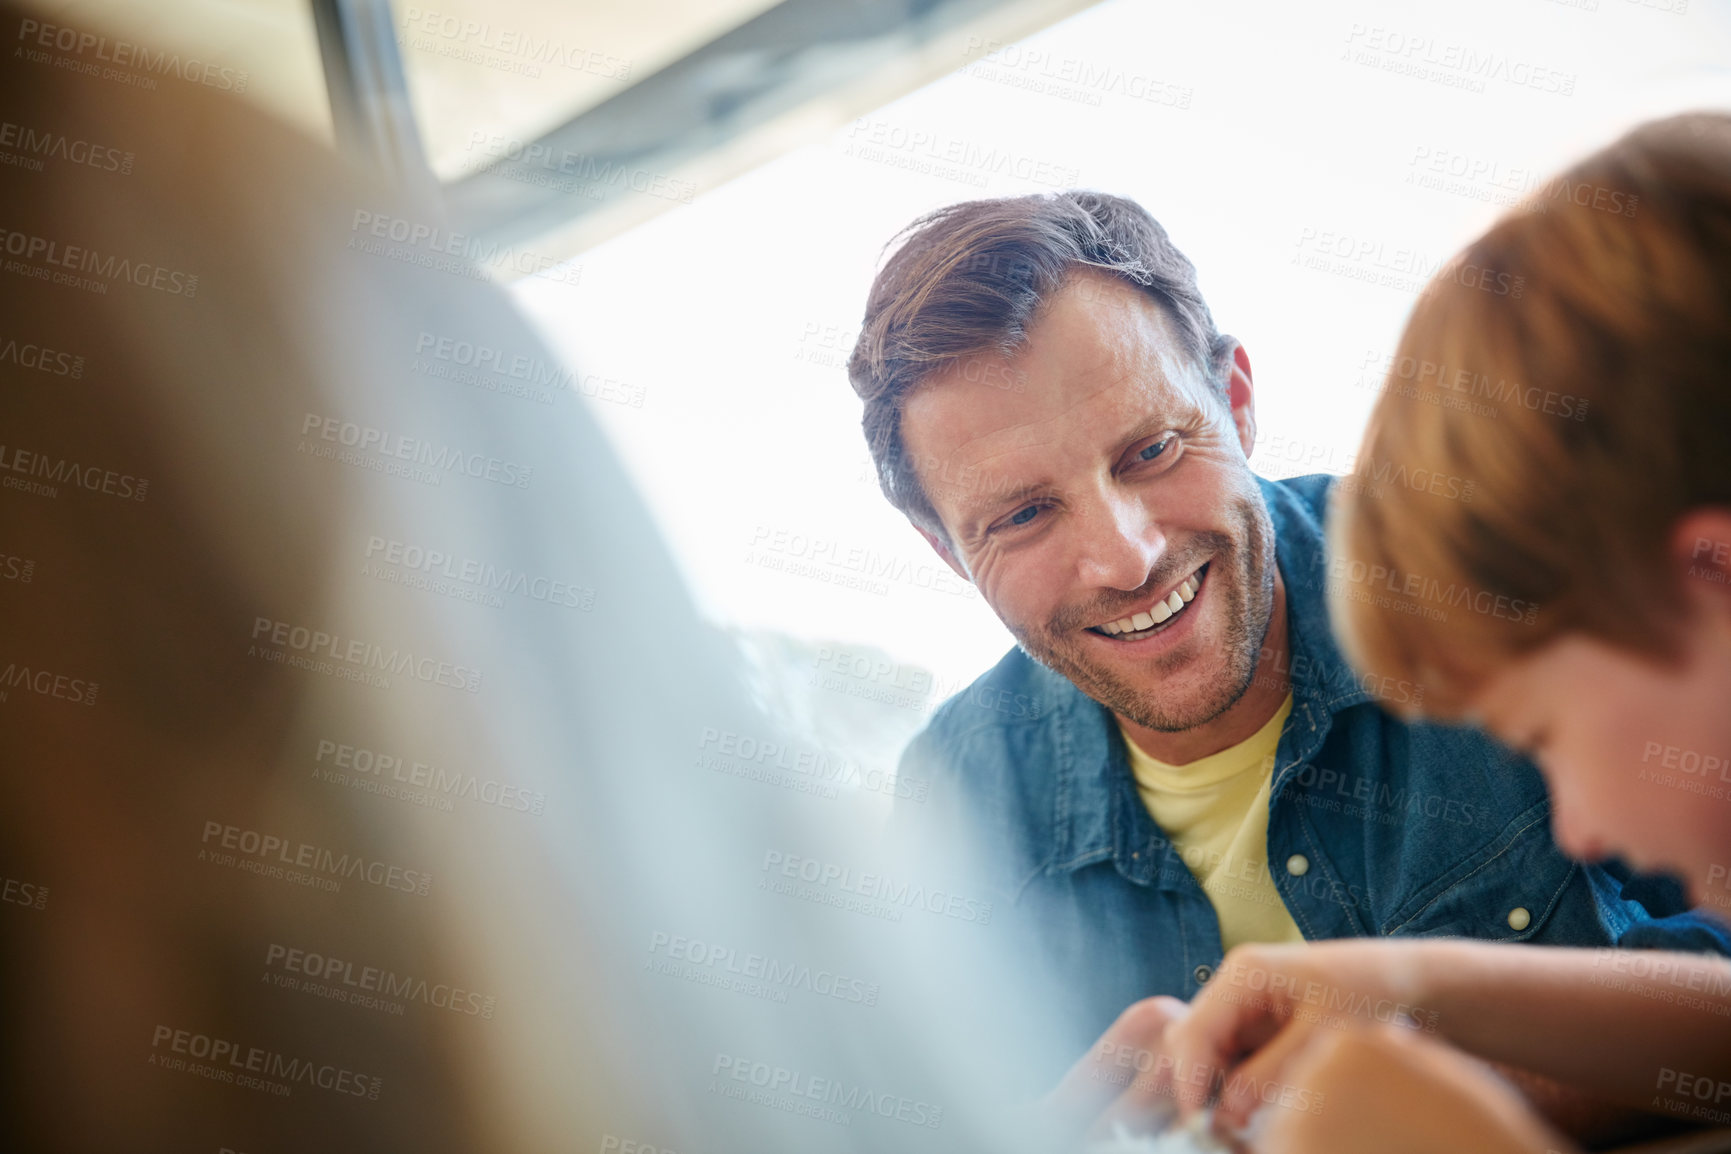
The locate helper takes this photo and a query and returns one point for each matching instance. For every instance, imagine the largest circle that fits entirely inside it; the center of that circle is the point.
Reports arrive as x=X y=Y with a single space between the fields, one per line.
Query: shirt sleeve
x=1673 y=926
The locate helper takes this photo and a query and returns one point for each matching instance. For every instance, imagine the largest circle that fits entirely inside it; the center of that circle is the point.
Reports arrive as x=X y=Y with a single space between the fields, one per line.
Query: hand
x=1259 y=990
x=1123 y=1078
x=1382 y=1089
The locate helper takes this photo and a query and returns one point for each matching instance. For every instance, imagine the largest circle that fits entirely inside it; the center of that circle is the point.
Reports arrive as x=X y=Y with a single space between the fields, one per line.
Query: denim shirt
x=1376 y=827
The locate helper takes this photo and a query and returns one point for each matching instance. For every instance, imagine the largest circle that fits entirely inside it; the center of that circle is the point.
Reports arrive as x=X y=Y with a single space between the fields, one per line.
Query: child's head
x=1538 y=527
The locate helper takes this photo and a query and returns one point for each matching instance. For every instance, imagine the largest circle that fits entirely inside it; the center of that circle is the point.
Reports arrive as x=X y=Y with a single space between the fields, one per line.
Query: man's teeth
x=1175 y=601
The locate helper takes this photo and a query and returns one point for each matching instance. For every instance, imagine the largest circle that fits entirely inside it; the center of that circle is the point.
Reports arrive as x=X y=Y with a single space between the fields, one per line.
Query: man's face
x=1108 y=484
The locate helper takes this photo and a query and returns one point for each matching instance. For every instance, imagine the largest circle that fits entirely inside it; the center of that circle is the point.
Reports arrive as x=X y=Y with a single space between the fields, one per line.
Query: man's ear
x=943 y=550
x=1241 y=396
x=1701 y=555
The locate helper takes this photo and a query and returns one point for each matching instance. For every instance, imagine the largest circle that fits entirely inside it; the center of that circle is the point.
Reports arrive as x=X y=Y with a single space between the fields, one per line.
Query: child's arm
x=1647 y=1029
x=1641 y=1027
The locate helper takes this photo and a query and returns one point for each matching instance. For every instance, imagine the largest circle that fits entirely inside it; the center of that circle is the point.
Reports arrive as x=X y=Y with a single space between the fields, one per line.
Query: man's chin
x=1169 y=702
x=1167 y=712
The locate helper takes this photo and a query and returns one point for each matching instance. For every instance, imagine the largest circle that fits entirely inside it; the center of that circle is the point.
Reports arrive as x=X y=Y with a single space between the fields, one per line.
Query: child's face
x=1637 y=754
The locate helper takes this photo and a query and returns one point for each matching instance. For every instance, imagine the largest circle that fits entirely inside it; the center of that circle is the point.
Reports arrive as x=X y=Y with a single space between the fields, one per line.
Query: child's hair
x=1558 y=400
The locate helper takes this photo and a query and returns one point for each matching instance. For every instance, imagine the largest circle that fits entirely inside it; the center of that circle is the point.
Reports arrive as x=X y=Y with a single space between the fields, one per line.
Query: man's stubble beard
x=1244 y=577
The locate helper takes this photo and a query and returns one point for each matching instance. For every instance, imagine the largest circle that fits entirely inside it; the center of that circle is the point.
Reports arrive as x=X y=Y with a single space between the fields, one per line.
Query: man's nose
x=1121 y=542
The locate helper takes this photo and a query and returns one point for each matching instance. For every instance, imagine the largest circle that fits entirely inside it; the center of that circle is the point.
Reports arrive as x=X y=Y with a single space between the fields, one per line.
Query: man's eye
x=1155 y=449
x=1023 y=516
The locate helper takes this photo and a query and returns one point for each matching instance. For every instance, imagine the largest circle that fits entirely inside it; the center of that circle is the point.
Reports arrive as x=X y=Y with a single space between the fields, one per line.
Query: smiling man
x=1175 y=759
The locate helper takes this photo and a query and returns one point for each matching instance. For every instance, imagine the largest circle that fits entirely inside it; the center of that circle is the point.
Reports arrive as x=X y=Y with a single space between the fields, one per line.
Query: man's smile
x=1159 y=615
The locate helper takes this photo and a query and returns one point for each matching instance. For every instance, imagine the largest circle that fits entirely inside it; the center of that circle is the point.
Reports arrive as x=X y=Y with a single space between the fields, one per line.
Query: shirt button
x=1203 y=973
x=1519 y=919
x=1297 y=865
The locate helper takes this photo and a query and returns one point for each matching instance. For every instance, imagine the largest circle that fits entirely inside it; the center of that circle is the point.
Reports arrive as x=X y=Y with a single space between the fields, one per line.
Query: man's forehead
x=1099 y=356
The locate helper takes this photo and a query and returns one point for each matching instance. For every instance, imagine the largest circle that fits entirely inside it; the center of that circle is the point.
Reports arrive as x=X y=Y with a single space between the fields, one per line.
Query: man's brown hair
x=968 y=281
x=1568 y=374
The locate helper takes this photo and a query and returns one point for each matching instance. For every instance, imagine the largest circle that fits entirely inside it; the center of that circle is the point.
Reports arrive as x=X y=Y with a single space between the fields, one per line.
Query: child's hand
x=1383 y=1089
x=1262 y=990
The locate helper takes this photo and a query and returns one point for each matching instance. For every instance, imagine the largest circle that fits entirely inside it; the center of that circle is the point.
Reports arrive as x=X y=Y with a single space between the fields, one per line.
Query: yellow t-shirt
x=1215 y=810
